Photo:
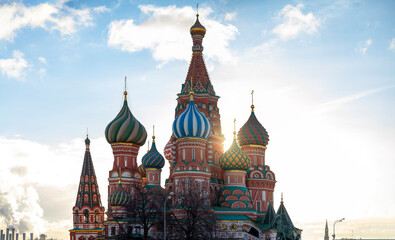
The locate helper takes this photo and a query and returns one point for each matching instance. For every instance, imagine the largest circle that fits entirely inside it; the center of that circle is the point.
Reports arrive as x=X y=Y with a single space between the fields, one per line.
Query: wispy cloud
x=294 y=22
x=335 y=104
x=14 y=67
x=170 y=23
x=230 y=16
x=42 y=59
x=52 y=17
x=392 y=45
x=363 y=46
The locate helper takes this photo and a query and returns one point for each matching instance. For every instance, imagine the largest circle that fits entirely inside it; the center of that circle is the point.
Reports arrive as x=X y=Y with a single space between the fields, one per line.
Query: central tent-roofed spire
x=197 y=68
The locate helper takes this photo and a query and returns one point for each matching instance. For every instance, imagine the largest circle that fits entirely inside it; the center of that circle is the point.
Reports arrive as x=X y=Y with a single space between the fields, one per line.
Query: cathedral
x=237 y=183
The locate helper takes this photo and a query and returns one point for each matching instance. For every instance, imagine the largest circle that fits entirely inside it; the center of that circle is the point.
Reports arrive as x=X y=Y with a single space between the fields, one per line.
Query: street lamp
x=164 y=214
x=340 y=220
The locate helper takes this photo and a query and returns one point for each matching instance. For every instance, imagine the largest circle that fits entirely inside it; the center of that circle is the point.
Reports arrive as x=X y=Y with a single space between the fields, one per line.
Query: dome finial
x=119 y=176
x=191 y=92
x=153 y=133
x=197 y=10
x=148 y=146
x=282 y=199
x=234 y=128
x=125 y=92
x=252 y=101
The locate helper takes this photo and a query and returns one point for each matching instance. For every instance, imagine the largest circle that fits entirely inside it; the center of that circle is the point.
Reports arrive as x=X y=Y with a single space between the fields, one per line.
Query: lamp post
x=340 y=220
x=164 y=214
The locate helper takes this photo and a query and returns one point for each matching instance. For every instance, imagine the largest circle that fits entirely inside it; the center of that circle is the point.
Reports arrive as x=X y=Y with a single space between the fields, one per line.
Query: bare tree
x=145 y=207
x=191 y=215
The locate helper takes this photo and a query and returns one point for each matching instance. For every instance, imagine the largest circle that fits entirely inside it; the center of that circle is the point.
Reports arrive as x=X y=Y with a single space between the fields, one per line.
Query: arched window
x=93 y=188
x=95 y=198
x=193 y=154
x=97 y=217
x=76 y=216
x=86 y=197
x=86 y=187
x=258 y=206
x=86 y=216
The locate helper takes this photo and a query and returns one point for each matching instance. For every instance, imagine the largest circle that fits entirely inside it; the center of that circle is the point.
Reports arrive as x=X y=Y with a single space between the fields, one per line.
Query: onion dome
x=125 y=128
x=252 y=132
x=87 y=141
x=142 y=171
x=153 y=159
x=234 y=158
x=119 y=197
x=197 y=28
x=191 y=123
x=168 y=150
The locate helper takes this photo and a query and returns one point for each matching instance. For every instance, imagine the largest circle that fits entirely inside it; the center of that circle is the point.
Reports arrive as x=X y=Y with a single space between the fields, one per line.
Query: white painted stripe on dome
x=178 y=132
x=123 y=128
x=203 y=127
x=117 y=138
x=185 y=123
x=134 y=132
x=194 y=123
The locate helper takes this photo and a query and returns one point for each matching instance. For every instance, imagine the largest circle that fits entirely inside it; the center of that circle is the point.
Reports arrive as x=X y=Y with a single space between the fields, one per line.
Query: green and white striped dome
x=125 y=128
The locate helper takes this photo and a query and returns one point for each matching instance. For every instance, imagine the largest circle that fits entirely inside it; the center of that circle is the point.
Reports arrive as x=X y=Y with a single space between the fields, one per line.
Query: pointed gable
x=283 y=215
x=270 y=216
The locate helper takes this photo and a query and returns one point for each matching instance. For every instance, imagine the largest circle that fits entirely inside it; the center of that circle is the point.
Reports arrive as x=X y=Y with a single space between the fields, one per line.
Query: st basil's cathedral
x=238 y=181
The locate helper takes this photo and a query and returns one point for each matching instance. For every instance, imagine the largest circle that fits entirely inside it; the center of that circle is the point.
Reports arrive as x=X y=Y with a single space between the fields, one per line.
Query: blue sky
x=323 y=73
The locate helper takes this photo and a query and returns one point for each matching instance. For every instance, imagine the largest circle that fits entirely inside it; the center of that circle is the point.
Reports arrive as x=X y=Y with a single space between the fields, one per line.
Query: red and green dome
x=119 y=197
x=252 y=132
x=234 y=158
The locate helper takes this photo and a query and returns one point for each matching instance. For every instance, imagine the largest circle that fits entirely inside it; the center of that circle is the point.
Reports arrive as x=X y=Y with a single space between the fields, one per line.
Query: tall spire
x=197 y=69
x=234 y=128
x=252 y=101
x=88 y=191
x=326 y=237
x=125 y=92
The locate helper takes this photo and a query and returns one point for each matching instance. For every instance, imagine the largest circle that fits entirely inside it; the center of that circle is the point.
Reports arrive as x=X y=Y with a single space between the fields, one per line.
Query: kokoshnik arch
x=238 y=182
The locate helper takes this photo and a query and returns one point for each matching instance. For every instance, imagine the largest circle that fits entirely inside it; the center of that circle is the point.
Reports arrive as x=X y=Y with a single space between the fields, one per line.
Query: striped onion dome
x=252 y=132
x=168 y=150
x=125 y=128
x=119 y=197
x=234 y=158
x=191 y=123
x=142 y=171
x=153 y=159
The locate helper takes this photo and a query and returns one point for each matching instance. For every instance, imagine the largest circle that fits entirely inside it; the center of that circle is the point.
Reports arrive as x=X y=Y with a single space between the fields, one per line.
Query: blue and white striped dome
x=191 y=123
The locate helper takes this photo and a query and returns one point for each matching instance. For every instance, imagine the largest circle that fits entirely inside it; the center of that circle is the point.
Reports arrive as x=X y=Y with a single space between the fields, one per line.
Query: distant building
x=326 y=231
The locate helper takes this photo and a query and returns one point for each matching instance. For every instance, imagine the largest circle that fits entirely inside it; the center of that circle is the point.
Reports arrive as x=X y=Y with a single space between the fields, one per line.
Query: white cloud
x=16 y=16
x=295 y=22
x=164 y=32
x=363 y=46
x=101 y=9
x=42 y=59
x=32 y=175
x=13 y=67
x=230 y=16
x=392 y=45
x=344 y=100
